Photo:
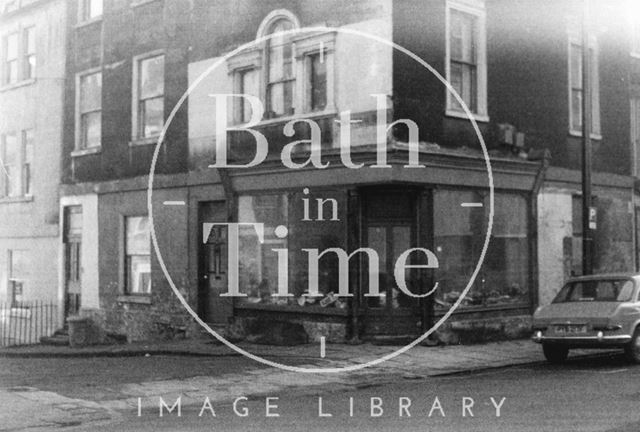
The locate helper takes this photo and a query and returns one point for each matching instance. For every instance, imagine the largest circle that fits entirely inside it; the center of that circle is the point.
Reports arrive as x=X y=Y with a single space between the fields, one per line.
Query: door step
x=221 y=329
x=56 y=340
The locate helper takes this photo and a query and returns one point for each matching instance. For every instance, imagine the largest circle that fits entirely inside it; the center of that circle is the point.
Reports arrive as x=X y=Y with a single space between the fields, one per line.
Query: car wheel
x=555 y=353
x=633 y=349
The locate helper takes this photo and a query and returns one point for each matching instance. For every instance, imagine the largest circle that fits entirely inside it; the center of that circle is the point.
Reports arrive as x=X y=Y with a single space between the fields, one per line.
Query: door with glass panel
x=72 y=261
x=390 y=230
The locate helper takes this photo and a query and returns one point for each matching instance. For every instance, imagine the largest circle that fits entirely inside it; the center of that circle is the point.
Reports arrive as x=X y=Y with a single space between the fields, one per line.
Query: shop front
x=280 y=277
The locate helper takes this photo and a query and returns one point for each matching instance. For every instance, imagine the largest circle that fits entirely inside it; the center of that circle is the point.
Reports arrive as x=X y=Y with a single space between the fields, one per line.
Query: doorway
x=72 y=259
x=212 y=268
x=390 y=228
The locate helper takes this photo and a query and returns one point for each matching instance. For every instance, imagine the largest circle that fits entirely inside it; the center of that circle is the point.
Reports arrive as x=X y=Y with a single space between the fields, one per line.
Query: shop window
x=258 y=271
x=459 y=238
x=148 y=103
x=466 y=57
x=89 y=115
x=138 y=255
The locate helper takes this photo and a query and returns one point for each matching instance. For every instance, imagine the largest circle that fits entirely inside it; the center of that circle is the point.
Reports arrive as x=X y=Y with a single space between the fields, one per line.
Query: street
x=588 y=394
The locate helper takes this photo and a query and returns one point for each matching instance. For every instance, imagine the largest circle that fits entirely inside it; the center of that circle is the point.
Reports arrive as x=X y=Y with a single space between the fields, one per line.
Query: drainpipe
x=533 y=226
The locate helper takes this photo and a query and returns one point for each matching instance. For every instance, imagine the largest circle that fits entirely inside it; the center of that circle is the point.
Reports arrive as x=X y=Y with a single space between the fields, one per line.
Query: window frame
x=475 y=8
x=28 y=71
x=84 y=12
x=24 y=188
x=137 y=122
x=635 y=38
x=6 y=61
x=125 y=271
x=634 y=102
x=13 y=280
x=575 y=39
x=306 y=45
x=80 y=147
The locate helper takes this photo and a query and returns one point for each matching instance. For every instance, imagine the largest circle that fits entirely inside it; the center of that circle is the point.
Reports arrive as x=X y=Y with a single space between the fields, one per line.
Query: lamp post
x=587 y=239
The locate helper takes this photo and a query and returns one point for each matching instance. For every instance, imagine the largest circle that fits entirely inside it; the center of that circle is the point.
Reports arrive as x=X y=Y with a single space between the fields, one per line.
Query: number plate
x=570 y=329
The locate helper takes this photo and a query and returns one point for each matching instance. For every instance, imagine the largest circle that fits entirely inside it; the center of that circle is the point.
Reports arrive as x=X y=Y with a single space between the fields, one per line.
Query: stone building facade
x=308 y=64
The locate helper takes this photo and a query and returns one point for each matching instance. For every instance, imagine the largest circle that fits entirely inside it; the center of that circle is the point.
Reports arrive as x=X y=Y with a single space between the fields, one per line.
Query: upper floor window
x=11 y=58
x=466 y=67
x=280 y=70
x=148 y=101
x=19 y=58
x=89 y=112
x=138 y=255
x=576 y=91
x=90 y=9
x=10 y=6
x=17 y=164
x=29 y=52
x=635 y=37
x=290 y=73
x=248 y=84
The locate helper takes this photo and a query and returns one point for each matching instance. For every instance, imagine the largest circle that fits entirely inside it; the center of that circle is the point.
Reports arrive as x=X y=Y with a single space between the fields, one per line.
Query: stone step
x=221 y=329
x=391 y=339
x=57 y=340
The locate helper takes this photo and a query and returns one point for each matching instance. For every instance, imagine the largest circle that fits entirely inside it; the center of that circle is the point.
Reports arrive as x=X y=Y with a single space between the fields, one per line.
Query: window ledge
x=87 y=151
x=88 y=22
x=133 y=298
x=462 y=115
x=144 y=141
x=18 y=84
x=16 y=199
x=319 y=310
x=635 y=55
x=136 y=3
x=578 y=134
x=288 y=118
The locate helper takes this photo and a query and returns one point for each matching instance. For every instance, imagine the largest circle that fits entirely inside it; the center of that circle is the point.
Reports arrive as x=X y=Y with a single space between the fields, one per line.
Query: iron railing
x=23 y=323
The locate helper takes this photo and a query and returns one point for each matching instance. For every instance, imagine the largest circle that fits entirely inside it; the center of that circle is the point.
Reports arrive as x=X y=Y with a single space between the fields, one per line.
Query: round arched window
x=280 y=71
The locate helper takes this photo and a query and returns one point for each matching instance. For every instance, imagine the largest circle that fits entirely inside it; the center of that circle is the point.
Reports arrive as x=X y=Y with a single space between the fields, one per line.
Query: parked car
x=598 y=311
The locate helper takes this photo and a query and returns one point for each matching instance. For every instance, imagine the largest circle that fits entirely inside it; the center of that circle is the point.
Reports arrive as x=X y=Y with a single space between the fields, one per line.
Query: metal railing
x=23 y=323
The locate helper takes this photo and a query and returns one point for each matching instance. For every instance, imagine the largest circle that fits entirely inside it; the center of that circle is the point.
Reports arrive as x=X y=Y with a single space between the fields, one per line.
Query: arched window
x=280 y=70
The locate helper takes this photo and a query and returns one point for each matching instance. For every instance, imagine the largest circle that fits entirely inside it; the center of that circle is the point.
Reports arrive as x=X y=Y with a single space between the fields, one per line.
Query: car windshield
x=615 y=290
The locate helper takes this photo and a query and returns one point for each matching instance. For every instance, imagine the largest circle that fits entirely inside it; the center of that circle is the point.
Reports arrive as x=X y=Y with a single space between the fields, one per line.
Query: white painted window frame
x=82 y=8
x=135 y=96
x=477 y=9
x=574 y=38
x=79 y=150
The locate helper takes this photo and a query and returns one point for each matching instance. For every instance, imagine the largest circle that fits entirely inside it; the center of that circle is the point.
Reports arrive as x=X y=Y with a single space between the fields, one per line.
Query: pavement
x=25 y=407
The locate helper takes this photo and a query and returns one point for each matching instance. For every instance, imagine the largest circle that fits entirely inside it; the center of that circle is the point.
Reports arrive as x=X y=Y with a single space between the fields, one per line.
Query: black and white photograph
x=320 y=215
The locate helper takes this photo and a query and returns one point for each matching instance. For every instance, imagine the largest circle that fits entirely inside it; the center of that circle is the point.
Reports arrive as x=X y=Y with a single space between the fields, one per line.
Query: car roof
x=605 y=276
